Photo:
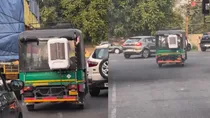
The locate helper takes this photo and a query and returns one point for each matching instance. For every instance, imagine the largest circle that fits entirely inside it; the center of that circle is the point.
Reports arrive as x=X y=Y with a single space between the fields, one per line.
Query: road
x=96 y=106
x=139 y=89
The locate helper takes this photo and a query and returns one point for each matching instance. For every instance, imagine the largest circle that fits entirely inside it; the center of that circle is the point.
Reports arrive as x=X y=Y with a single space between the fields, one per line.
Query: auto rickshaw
x=53 y=67
x=171 y=47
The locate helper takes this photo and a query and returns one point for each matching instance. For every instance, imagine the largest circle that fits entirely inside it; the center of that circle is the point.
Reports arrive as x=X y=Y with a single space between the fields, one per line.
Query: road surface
x=139 y=89
x=96 y=106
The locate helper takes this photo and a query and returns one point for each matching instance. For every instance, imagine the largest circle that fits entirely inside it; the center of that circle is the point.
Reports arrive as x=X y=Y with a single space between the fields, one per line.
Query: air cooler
x=172 y=41
x=58 y=53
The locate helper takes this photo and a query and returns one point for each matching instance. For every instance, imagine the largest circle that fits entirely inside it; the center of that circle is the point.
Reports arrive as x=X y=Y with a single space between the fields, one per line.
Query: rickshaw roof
x=141 y=37
x=170 y=32
x=47 y=33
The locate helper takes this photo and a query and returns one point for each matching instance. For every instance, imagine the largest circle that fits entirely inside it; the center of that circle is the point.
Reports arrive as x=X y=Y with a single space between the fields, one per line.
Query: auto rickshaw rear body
x=170 y=47
x=52 y=66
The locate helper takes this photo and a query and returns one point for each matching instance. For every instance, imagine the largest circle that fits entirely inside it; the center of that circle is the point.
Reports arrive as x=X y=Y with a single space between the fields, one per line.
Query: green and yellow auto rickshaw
x=53 y=66
x=171 y=47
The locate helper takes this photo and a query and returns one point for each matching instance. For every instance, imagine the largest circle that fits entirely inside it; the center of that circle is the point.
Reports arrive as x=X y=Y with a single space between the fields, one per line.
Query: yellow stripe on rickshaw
x=45 y=81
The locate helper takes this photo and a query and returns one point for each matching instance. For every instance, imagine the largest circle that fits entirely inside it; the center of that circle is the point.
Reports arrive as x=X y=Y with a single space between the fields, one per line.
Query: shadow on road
x=139 y=57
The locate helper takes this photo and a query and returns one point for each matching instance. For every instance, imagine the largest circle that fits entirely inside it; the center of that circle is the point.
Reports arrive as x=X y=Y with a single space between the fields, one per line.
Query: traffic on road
x=141 y=89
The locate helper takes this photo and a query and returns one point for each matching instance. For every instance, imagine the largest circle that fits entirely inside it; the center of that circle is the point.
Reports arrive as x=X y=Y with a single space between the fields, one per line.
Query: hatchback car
x=96 y=81
x=139 y=45
x=9 y=105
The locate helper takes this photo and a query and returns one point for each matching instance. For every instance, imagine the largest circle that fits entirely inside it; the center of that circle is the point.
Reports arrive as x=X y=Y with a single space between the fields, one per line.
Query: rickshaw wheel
x=160 y=65
x=30 y=107
x=182 y=64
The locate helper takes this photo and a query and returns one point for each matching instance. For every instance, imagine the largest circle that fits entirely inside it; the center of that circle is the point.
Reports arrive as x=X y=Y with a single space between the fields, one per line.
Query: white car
x=189 y=45
x=98 y=71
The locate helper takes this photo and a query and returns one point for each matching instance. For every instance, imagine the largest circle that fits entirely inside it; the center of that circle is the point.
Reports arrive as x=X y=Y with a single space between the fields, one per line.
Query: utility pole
x=187 y=17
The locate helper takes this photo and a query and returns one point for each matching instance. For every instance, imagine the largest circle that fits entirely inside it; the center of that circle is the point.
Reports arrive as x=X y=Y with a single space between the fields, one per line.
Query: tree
x=88 y=15
x=142 y=17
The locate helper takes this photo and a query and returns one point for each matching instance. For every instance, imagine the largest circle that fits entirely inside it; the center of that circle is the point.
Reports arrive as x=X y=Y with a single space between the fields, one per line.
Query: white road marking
x=114 y=109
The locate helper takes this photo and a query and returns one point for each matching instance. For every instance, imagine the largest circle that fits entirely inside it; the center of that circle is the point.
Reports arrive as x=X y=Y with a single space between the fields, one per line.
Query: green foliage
x=99 y=19
x=90 y=16
x=142 y=17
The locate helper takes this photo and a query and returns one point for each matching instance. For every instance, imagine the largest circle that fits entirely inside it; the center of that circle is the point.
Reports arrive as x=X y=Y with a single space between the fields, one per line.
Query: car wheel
x=30 y=107
x=104 y=68
x=203 y=49
x=94 y=92
x=127 y=56
x=116 y=51
x=145 y=53
x=188 y=47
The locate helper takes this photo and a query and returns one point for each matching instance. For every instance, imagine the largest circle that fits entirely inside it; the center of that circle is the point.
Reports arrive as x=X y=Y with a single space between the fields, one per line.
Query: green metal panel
x=50 y=75
x=178 y=51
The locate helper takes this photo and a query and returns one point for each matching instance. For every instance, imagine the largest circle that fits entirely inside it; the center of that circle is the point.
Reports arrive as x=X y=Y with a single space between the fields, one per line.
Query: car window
x=132 y=40
x=206 y=37
x=148 y=40
x=100 y=53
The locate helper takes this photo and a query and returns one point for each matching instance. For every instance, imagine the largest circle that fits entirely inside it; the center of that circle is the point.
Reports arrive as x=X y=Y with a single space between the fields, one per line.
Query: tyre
x=145 y=53
x=82 y=100
x=20 y=115
x=188 y=47
x=18 y=95
x=160 y=65
x=127 y=56
x=94 y=92
x=117 y=51
x=182 y=64
x=203 y=49
x=30 y=107
x=103 y=68
x=81 y=106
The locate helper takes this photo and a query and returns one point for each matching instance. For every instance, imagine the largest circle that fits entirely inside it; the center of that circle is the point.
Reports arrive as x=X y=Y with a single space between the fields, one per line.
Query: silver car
x=112 y=47
x=139 y=45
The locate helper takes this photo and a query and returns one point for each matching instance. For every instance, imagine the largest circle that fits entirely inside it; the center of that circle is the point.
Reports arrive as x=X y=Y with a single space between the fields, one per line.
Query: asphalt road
x=139 y=89
x=95 y=107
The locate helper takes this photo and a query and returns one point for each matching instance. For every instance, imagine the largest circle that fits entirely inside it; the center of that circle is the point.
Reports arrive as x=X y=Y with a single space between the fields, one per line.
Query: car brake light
x=92 y=63
x=123 y=44
x=138 y=44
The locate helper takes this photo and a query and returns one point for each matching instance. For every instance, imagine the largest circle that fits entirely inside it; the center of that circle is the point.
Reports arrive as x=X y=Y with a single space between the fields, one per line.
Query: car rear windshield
x=101 y=53
x=132 y=40
x=206 y=37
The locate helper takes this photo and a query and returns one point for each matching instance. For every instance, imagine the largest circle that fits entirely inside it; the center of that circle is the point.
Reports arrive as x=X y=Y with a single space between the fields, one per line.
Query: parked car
x=189 y=45
x=112 y=47
x=9 y=105
x=139 y=45
x=97 y=74
x=205 y=42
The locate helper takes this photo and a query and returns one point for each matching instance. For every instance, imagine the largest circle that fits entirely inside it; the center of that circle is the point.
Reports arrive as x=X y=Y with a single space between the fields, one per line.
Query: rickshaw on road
x=53 y=66
x=171 y=47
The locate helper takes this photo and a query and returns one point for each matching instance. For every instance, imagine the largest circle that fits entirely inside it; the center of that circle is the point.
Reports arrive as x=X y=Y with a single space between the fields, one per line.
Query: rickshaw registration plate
x=105 y=84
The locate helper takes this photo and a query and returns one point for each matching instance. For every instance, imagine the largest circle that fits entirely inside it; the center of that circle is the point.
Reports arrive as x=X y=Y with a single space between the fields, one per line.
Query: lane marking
x=114 y=109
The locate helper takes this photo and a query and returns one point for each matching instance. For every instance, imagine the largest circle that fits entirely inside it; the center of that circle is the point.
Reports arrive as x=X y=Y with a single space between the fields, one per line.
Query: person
x=76 y=39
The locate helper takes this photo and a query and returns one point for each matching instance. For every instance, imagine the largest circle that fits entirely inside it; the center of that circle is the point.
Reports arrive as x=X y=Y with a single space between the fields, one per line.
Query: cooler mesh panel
x=172 y=40
x=57 y=51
